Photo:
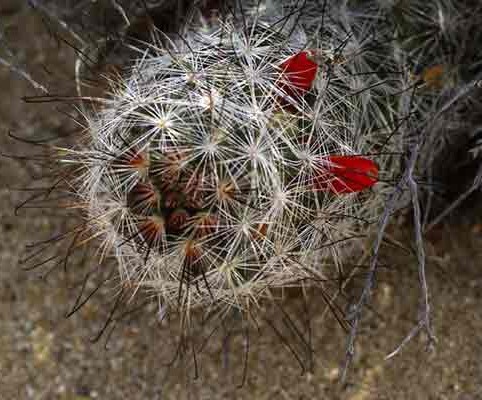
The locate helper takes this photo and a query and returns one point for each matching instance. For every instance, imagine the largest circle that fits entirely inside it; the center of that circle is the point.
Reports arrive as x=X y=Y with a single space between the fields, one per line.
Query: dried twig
x=356 y=310
x=24 y=74
x=390 y=207
x=15 y=67
x=35 y=4
x=424 y=319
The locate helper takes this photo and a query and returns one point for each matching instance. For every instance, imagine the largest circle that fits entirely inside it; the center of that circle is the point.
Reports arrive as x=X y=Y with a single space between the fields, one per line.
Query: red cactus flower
x=300 y=71
x=346 y=174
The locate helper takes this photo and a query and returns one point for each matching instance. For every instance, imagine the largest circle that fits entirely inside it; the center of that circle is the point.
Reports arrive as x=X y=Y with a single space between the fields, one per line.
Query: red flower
x=346 y=174
x=300 y=72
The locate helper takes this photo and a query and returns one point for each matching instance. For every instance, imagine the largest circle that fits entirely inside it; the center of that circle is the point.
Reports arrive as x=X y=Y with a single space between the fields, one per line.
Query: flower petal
x=346 y=174
x=300 y=72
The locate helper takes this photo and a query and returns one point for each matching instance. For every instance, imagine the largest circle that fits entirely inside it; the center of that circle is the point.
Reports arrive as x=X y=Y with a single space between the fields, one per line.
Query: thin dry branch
x=14 y=66
x=24 y=74
x=38 y=5
x=390 y=206
x=424 y=318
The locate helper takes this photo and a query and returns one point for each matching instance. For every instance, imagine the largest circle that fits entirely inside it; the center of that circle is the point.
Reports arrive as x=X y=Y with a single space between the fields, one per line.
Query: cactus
x=254 y=150
x=250 y=152
x=218 y=165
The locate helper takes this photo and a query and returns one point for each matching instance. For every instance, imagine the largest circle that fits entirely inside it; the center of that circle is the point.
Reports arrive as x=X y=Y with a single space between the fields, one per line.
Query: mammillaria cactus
x=218 y=166
x=254 y=149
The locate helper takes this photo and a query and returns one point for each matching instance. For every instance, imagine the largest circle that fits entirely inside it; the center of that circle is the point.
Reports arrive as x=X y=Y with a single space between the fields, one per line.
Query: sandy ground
x=43 y=355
